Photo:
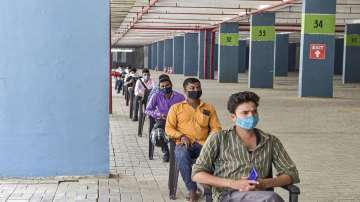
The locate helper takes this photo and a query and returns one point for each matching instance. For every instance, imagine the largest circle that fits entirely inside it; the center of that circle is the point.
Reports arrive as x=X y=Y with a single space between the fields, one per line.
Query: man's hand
x=185 y=141
x=243 y=184
x=265 y=184
x=163 y=116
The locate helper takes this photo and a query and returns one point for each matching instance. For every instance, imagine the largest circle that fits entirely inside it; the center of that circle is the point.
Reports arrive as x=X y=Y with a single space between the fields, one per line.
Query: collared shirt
x=158 y=105
x=225 y=155
x=139 y=87
x=196 y=124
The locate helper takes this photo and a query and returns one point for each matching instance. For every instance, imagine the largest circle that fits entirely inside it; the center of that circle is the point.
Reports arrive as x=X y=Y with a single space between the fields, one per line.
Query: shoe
x=165 y=158
x=192 y=196
x=135 y=119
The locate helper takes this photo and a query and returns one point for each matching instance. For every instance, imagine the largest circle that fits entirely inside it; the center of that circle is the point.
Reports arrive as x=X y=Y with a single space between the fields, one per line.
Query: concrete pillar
x=147 y=56
x=178 y=54
x=228 y=52
x=204 y=54
x=281 y=55
x=190 y=54
x=242 y=56
x=160 y=56
x=292 y=57
x=216 y=56
x=339 y=56
x=261 y=67
x=317 y=48
x=54 y=87
x=168 y=53
x=154 y=56
x=351 y=68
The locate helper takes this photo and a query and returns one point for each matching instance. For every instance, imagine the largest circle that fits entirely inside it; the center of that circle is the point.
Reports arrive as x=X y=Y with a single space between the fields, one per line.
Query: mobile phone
x=253 y=175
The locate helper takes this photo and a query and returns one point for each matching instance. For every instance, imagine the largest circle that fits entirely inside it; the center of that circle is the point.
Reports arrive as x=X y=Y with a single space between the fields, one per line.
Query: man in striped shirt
x=237 y=162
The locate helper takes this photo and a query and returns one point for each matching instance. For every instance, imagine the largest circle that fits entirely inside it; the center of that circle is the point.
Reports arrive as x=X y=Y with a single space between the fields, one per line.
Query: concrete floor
x=321 y=135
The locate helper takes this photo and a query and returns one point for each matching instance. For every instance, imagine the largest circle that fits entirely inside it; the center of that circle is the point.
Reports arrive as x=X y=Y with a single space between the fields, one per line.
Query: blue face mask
x=248 y=122
x=167 y=90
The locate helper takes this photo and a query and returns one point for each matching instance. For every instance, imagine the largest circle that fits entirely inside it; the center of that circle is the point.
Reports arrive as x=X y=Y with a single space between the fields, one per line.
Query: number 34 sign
x=317 y=52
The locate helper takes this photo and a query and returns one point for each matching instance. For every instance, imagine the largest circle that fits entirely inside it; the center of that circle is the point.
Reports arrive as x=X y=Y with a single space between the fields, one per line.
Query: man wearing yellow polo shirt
x=189 y=123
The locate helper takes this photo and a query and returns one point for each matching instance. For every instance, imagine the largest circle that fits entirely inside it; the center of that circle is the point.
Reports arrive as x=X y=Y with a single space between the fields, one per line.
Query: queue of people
x=236 y=162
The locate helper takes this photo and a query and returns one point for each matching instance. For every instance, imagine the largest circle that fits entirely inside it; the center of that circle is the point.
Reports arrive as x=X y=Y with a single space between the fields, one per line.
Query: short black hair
x=190 y=80
x=237 y=99
x=164 y=79
x=145 y=71
x=163 y=76
x=133 y=69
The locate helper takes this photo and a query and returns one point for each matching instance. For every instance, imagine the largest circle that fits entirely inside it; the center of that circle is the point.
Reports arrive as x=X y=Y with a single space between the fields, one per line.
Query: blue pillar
x=228 y=52
x=53 y=121
x=351 y=68
x=339 y=56
x=216 y=56
x=317 y=48
x=160 y=56
x=204 y=54
x=261 y=65
x=154 y=56
x=178 y=54
x=190 y=54
x=149 y=56
x=292 y=57
x=201 y=44
x=242 y=56
x=281 y=55
x=168 y=60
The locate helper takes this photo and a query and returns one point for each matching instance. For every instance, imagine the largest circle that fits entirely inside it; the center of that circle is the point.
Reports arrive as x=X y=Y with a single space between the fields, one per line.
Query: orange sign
x=317 y=52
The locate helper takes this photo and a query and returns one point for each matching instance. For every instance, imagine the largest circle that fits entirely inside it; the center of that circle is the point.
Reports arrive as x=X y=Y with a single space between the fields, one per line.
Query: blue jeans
x=184 y=158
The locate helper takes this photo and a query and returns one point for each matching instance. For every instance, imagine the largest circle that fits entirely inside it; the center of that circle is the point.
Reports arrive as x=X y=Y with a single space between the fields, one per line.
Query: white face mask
x=146 y=78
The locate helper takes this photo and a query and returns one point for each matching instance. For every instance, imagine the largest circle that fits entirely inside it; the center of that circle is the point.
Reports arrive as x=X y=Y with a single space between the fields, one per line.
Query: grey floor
x=321 y=135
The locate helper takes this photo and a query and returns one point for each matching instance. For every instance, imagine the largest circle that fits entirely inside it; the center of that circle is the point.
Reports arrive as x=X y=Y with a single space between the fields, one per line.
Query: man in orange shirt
x=189 y=123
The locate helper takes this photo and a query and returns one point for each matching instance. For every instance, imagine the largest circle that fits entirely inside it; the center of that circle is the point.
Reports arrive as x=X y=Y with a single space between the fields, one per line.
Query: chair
x=151 y=145
x=131 y=101
x=142 y=115
x=293 y=190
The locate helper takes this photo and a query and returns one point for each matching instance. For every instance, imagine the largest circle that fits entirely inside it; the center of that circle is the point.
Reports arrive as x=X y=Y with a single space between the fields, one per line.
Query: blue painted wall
x=54 y=88
x=160 y=55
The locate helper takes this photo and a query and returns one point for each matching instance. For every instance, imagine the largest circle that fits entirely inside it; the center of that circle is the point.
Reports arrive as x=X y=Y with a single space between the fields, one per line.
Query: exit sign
x=317 y=52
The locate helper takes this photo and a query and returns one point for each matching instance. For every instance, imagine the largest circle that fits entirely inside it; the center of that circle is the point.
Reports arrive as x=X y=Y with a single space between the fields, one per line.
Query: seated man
x=139 y=90
x=189 y=123
x=159 y=104
x=153 y=91
x=228 y=158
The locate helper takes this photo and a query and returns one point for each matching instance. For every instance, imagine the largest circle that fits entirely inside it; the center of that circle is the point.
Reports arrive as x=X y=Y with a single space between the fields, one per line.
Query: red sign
x=317 y=52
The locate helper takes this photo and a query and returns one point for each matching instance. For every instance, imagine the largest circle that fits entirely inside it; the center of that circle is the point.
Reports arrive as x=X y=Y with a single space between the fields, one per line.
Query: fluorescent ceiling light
x=125 y=50
x=263 y=6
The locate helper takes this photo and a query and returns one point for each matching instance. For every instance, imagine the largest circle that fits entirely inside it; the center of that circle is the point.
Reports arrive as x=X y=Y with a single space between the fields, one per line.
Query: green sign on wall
x=352 y=40
x=262 y=33
x=229 y=39
x=318 y=24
